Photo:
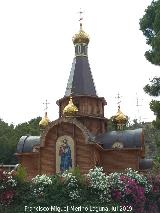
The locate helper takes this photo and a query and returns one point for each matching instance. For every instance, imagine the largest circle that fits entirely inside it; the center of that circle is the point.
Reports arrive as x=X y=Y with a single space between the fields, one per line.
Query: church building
x=79 y=137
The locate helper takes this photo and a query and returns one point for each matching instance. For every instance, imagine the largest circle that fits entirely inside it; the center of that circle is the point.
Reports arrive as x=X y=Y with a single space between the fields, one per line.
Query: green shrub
x=21 y=173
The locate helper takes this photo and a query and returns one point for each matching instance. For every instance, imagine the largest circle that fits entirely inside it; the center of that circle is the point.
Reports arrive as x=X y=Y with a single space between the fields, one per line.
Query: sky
x=36 y=54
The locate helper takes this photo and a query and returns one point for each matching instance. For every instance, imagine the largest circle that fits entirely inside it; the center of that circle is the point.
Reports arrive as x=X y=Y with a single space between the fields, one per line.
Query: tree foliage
x=10 y=135
x=150 y=26
x=153 y=89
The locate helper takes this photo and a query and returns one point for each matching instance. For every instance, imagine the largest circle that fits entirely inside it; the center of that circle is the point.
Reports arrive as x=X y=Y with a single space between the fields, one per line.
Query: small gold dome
x=120 y=118
x=44 y=122
x=80 y=37
x=70 y=109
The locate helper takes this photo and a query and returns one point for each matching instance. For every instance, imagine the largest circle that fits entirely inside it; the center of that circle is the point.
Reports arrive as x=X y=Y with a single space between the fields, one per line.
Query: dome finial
x=81 y=26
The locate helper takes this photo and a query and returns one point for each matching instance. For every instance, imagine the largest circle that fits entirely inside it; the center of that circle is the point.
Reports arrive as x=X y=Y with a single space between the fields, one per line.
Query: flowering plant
x=72 y=185
x=39 y=183
x=42 y=179
x=153 y=198
x=129 y=187
x=116 y=186
x=7 y=187
x=139 y=178
x=99 y=180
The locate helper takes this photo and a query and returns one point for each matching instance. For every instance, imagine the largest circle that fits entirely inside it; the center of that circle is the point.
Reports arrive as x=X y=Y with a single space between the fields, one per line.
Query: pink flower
x=116 y=195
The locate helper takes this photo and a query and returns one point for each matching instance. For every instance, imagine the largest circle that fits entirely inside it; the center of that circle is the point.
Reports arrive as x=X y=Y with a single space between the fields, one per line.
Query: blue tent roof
x=26 y=143
x=129 y=138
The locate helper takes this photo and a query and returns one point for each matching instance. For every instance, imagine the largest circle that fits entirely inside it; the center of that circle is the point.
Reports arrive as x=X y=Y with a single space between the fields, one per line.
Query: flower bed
x=127 y=191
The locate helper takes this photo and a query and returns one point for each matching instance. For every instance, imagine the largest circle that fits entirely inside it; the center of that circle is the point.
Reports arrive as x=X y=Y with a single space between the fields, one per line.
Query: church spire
x=80 y=81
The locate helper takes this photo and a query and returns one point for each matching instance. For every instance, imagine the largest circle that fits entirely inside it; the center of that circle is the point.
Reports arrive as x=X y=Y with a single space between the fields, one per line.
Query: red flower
x=7 y=196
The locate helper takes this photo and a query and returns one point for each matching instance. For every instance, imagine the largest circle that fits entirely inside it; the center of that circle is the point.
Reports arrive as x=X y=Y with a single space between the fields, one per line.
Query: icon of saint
x=65 y=154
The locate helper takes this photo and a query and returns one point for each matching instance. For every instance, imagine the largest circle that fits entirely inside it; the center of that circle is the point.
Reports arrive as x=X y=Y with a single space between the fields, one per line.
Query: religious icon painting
x=64 y=153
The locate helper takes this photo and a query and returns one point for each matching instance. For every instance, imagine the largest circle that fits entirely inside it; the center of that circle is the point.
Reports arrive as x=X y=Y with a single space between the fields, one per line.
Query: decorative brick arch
x=89 y=138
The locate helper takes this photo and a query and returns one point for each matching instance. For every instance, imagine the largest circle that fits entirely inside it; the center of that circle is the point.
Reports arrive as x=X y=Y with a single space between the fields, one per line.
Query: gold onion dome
x=120 y=118
x=70 y=109
x=81 y=37
x=44 y=122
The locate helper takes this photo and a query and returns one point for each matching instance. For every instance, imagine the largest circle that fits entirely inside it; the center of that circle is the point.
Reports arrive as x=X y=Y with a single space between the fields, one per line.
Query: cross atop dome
x=46 y=105
x=118 y=97
x=81 y=38
x=80 y=16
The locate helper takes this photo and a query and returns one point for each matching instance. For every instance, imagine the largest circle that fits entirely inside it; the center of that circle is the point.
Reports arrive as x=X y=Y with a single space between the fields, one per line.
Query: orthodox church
x=79 y=137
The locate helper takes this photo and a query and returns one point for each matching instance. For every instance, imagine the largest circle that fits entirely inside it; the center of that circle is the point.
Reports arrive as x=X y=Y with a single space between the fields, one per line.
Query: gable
x=67 y=126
